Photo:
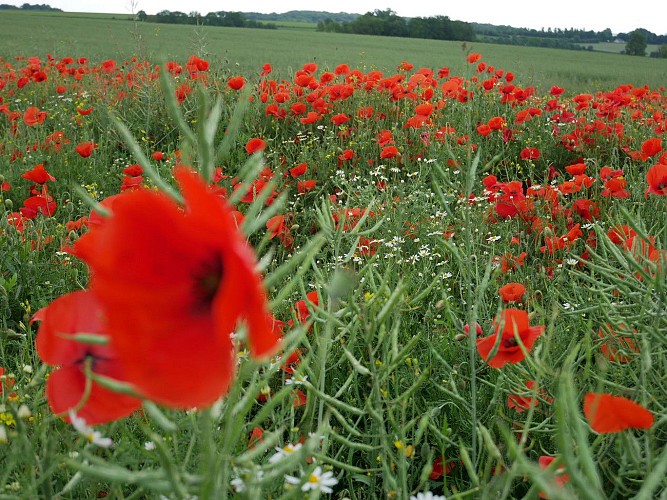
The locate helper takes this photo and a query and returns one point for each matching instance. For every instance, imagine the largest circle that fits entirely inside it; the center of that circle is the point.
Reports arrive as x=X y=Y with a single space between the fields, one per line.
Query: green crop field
x=246 y=50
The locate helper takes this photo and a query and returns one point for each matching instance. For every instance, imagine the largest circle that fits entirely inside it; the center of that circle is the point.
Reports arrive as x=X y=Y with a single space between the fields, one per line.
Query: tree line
x=28 y=6
x=388 y=23
x=220 y=18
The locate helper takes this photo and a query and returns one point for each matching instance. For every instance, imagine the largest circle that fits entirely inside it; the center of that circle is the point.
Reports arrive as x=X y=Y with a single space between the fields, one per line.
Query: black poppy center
x=509 y=343
x=207 y=281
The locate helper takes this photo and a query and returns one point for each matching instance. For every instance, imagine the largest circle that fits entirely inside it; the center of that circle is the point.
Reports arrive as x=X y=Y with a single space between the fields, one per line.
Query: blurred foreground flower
x=172 y=284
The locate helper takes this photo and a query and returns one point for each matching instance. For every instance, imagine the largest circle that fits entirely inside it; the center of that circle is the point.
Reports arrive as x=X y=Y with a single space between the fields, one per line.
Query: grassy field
x=246 y=50
x=616 y=48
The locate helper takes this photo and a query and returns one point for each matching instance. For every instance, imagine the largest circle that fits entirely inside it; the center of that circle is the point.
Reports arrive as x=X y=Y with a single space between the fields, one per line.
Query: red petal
x=607 y=413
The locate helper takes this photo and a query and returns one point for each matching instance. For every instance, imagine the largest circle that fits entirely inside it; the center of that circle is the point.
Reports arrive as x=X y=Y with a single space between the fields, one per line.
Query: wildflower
x=38 y=174
x=149 y=445
x=299 y=170
x=389 y=152
x=560 y=479
x=317 y=480
x=33 y=116
x=171 y=307
x=255 y=144
x=656 y=178
x=440 y=468
x=182 y=92
x=95 y=437
x=236 y=83
x=85 y=149
x=426 y=496
x=286 y=451
x=70 y=314
x=615 y=347
x=512 y=292
x=530 y=154
x=608 y=414
x=651 y=147
x=510 y=324
x=521 y=403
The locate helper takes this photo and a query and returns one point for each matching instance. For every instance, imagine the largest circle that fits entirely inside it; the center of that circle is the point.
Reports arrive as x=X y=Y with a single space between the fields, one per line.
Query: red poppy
x=33 y=116
x=508 y=325
x=530 y=154
x=236 y=83
x=39 y=175
x=174 y=284
x=440 y=468
x=310 y=118
x=300 y=398
x=608 y=414
x=512 y=292
x=298 y=170
x=182 y=92
x=70 y=314
x=616 y=347
x=560 y=480
x=38 y=204
x=520 y=403
x=576 y=168
x=255 y=437
x=158 y=156
x=255 y=144
x=85 y=149
x=656 y=178
x=483 y=130
x=305 y=186
x=473 y=58
x=6 y=381
x=340 y=118
x=651 y=147
x=496 y=123
x=389 y=152
x=278 y=226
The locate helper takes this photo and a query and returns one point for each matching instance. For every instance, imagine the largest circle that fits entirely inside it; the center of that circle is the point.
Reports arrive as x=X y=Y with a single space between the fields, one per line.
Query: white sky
x=582 y=14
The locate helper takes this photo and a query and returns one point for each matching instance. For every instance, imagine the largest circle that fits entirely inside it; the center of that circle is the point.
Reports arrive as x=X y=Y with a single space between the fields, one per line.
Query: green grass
x=246 y=50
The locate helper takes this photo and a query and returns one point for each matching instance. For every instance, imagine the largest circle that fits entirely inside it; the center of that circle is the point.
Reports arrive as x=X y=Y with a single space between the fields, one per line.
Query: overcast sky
x=583 y=14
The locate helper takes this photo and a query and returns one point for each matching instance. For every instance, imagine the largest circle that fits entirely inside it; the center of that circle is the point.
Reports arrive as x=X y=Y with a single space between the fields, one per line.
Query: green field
x=246 y=50
x=615 y=48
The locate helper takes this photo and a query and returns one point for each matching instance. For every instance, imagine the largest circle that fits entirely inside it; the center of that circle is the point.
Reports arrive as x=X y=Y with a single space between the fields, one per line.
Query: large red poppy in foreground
x=174 y=282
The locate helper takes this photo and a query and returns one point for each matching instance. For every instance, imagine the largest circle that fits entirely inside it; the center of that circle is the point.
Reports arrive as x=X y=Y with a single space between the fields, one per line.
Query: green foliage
x=636 y=45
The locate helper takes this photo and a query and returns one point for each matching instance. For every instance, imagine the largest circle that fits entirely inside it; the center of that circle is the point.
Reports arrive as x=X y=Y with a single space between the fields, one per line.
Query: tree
x=636 y=45
x=142 y=16
x=661 y=53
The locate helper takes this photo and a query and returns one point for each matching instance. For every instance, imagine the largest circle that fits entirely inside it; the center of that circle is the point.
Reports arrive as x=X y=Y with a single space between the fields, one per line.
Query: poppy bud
x=9 y=203
x=440 y=304
x=460 y=336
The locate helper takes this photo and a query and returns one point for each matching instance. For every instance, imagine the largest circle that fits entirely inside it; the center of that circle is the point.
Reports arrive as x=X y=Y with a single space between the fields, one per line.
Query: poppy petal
x=607 y=413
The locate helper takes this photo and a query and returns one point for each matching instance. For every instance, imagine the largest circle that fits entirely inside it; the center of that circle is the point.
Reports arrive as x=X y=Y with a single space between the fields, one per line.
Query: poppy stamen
x=207 y=282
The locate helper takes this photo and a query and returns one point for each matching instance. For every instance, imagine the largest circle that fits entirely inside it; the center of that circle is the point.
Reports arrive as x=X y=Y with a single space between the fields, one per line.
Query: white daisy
x=427 y=496
x=281 y=453
x=91 y=435
x=317 y=480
